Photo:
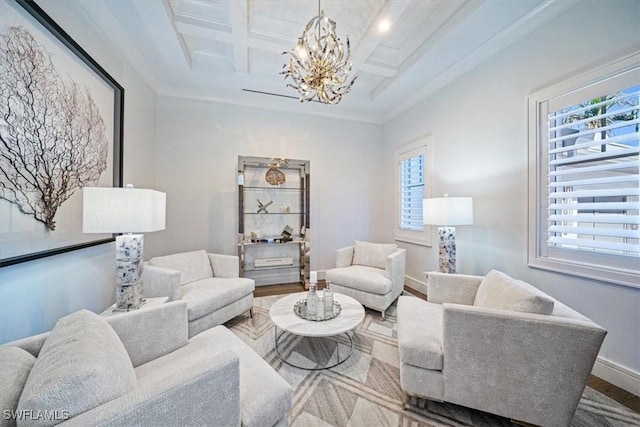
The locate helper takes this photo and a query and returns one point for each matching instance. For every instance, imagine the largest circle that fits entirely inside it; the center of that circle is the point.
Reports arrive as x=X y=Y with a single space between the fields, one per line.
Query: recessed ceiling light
x=384 y=25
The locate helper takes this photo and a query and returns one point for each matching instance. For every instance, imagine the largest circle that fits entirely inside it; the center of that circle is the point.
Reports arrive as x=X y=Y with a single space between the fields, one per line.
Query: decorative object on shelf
x=255 y=235
x=275 y=176
x=305 y=254
x=124 y=210
x=447 y=212
x=273 y=262
x=286 y=234
x=262 y=208
x=318 y=65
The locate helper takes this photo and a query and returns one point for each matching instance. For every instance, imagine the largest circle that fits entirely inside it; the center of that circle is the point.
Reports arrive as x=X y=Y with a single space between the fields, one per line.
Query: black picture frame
x=53 y=29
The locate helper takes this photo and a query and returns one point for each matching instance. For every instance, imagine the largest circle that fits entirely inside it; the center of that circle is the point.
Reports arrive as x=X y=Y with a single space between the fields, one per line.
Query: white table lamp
x=125 y=210
x=447 y=212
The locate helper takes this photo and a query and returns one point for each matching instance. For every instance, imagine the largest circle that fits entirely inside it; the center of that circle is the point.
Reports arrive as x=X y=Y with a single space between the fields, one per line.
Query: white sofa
x=371 y=273
x=498 y=345
x=138 y=369
x=209 y=283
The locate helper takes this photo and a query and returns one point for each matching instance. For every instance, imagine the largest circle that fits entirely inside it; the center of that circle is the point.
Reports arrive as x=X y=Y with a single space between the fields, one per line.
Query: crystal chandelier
x=318 y=65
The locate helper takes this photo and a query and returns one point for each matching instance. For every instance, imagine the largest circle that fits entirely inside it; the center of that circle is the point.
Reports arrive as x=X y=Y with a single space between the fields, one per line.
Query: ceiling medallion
x=318 y=65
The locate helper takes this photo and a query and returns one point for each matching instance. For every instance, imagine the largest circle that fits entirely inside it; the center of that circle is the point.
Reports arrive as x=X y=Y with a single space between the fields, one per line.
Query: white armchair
x=209 y=283
x=372 y=273
x=139 y=368
x=498 y=345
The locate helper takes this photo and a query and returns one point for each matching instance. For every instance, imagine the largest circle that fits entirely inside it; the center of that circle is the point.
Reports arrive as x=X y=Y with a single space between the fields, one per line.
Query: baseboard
x=413 y=283
x=617 y=375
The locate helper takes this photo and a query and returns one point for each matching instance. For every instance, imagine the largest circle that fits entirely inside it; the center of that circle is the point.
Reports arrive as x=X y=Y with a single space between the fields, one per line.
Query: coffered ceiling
x=231 y=50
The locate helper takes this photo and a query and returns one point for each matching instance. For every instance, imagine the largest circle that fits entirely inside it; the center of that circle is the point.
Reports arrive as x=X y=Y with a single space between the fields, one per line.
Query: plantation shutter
x=412 y=182
x=593 y=176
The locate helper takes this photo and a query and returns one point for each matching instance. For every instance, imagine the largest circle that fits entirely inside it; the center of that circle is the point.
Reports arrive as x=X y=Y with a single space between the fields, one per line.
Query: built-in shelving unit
x=273 y=220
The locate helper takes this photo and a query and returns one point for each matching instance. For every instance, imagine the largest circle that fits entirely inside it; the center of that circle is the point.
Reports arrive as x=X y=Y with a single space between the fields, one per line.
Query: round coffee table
x=283 y=317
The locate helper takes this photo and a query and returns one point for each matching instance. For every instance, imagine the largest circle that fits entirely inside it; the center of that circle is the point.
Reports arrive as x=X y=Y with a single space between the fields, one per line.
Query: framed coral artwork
x=60 y=130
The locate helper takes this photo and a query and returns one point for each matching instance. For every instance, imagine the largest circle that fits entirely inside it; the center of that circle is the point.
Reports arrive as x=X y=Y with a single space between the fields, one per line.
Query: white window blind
x=584 y=173
x=412 y=182
x=412 y=186
x=593 y=175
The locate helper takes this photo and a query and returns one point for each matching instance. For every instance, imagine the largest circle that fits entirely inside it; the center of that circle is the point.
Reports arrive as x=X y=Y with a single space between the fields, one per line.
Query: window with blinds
x=412 y=182
x=593 y=175
x=584 y=169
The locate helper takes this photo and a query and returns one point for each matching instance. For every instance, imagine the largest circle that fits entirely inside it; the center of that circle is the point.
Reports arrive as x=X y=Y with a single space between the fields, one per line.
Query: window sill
x=413 y=241
x=617 y=277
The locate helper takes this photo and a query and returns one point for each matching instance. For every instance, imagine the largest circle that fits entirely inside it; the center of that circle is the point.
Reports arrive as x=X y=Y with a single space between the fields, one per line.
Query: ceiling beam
x=181 y=42
x=274 y=46
x=198 y=28
x=242 y=39
x=378 y=70
x=455 y=19
x=239 y=17
x=391 y=10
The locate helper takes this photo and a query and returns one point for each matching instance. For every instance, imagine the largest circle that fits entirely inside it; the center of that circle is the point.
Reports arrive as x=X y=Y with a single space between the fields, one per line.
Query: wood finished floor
x=267 y=291
x=616 y=393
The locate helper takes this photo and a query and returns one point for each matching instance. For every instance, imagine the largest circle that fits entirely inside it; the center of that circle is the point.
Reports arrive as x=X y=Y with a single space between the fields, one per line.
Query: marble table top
x=284 y=318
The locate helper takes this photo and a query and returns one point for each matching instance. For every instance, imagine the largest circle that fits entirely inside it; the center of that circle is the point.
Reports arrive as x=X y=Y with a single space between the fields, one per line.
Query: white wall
x=195 y=163
x=197 y=150
x=35 y=294
x=479 y=125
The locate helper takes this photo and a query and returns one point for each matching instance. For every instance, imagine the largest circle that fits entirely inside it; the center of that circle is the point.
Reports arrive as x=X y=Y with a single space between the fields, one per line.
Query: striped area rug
x=365 y=390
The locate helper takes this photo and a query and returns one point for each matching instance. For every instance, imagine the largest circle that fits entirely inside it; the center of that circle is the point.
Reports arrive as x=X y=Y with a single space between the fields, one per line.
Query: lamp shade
x=448 y=211
x=122 y=210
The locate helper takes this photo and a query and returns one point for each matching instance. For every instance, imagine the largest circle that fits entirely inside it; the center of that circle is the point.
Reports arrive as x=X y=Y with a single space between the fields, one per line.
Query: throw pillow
x=15 y=365
x=82 y=365
x=372 y=254
x=498 y=290
x=192 y=266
